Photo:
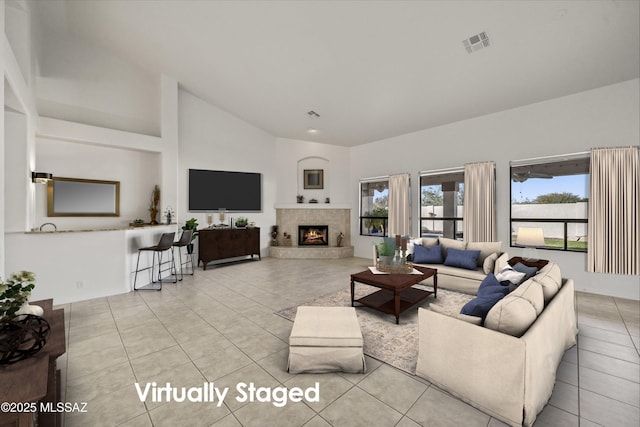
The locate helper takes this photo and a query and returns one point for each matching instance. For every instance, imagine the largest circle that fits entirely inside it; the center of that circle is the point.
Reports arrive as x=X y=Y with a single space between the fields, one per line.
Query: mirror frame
x=51 y=195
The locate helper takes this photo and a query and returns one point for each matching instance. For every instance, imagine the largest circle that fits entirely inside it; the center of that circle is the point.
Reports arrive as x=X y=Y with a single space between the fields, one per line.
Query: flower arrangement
x=15 y=292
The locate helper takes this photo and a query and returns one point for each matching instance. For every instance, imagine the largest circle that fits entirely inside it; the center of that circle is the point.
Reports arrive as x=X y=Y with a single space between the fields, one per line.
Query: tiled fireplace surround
x=290 y=217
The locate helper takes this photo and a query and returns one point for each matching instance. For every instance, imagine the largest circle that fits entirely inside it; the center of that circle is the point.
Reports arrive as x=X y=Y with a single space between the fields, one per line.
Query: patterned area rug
x=396 y=345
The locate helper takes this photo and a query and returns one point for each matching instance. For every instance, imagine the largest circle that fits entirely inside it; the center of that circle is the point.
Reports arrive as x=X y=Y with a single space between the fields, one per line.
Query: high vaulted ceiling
x=370 y=69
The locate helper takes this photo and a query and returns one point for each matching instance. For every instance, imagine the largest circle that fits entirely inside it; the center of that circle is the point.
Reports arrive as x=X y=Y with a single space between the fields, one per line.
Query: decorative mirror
x=83 y=197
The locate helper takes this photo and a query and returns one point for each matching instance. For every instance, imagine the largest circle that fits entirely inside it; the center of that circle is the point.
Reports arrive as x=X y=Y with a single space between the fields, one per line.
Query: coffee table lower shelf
x=384 y=300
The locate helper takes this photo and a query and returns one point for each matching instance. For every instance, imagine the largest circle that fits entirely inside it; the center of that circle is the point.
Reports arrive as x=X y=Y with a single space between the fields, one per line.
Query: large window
x=552 y=194
x=374 y=207
x=442 y=203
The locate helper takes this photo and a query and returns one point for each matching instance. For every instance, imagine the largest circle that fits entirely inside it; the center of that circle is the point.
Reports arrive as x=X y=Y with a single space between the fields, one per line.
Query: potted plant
x=386 y=250
x=191 y=224
x=14 y=294
x=300 y=198
x=242 y=222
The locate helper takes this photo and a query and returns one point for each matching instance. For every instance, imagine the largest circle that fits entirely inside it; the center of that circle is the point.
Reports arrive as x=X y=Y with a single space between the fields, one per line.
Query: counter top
x=86 y=230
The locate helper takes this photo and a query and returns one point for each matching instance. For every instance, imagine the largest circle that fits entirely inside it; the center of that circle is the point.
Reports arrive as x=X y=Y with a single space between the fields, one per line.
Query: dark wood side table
x=37 y=378
x=221 y=243
x=538 y=263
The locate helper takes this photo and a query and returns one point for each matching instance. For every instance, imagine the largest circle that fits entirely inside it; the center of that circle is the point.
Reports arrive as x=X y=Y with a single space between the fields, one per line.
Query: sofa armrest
x=484 y=368
x=553 y=332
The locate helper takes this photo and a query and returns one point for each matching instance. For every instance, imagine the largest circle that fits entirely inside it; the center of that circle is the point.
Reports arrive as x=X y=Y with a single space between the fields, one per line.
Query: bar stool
x=165 y=244
x=185 y=239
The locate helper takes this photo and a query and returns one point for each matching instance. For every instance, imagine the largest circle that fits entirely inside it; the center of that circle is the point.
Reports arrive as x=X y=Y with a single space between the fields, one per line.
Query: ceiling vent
x=477 y=42
x=313 y=114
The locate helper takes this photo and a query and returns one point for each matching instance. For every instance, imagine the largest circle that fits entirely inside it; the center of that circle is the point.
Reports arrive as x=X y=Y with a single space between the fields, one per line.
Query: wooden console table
x=221 y=243
x=37 y=378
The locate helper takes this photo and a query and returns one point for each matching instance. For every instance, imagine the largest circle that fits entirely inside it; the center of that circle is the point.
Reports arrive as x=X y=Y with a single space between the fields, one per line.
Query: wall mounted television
x=211 y=190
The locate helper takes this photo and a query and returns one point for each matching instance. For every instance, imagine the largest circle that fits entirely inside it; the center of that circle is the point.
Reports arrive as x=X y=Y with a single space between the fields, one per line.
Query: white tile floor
x=219 y=326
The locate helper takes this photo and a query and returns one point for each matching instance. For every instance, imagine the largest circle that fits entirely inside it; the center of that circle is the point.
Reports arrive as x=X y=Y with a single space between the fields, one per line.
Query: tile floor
x=218 y=326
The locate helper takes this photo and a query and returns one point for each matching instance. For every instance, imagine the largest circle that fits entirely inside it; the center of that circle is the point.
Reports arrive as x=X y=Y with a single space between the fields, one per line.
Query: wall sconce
x=530 y=238
x=41 y=177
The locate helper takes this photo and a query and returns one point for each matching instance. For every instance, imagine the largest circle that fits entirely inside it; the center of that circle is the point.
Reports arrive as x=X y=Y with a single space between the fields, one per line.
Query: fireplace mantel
x=312 y=206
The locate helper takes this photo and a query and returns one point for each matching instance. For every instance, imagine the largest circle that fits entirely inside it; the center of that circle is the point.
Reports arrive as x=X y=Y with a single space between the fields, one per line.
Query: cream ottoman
x=326 y=339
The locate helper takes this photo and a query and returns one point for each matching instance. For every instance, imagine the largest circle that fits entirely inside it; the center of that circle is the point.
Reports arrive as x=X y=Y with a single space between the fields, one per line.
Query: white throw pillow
x=501 y=262
x=508 y=273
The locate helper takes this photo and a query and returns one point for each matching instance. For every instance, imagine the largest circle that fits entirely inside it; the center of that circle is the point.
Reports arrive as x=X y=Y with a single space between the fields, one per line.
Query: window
x=374 y=207
x=442 y=203
x=552 y=194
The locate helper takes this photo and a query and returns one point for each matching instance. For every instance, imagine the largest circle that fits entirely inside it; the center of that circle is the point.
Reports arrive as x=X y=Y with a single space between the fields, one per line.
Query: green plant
x=191 y=224
x=242 y=221
x=15 y=292
x=387 y=247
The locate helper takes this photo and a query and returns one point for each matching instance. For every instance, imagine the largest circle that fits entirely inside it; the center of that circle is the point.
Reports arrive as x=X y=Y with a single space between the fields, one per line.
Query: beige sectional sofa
x=506 y=368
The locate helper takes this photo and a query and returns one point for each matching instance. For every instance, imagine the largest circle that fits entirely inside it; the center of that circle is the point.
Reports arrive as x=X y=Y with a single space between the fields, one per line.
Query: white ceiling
x=371 y=69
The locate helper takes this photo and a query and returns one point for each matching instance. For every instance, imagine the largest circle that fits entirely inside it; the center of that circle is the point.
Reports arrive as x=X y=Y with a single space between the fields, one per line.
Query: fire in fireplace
x=313 y=235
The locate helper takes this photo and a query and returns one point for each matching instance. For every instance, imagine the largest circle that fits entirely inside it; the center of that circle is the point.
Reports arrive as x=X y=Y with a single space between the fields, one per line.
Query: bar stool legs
x=165 y=244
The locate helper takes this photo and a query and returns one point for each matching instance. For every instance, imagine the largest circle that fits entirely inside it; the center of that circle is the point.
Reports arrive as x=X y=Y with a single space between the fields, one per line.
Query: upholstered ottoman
x=326 y=339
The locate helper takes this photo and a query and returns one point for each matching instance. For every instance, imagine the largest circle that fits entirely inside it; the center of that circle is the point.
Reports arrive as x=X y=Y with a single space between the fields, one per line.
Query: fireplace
x=313 y=235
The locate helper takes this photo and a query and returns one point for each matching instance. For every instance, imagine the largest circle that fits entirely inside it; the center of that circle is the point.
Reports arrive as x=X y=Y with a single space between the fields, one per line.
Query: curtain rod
x=536 y=160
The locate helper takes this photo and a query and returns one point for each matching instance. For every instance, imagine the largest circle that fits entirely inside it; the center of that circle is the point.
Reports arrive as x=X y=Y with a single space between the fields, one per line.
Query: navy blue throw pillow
x=462 y=259
x=480 y=306
x=430 y=255
x=528 y=271
x=491 y=285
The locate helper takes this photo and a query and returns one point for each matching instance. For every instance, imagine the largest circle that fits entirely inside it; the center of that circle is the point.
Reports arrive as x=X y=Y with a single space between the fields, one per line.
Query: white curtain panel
x=479 y=202
x=613 y=211
x=399 y=205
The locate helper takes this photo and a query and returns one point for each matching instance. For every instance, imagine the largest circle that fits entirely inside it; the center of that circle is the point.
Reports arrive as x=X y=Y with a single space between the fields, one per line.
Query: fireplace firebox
x=313 y=235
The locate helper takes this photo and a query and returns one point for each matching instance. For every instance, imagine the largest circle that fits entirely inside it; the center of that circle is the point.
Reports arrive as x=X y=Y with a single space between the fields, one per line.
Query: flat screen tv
x=233 y=191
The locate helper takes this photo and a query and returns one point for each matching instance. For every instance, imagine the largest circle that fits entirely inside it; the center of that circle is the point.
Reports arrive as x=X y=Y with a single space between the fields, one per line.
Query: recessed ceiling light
x=312 y=130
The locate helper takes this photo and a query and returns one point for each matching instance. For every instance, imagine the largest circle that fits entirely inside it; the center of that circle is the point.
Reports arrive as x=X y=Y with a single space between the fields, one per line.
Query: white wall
x=137 y=171
x=292 y=153
x=214 y=139
x=608 y=116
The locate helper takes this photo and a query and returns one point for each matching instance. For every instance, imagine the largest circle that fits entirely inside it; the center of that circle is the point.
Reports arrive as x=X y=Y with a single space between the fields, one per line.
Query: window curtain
x=613 y=211
x=399 y=205
x=479 y=202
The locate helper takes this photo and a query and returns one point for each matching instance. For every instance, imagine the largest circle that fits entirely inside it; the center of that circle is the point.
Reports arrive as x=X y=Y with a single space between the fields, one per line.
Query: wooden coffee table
x=396 y=294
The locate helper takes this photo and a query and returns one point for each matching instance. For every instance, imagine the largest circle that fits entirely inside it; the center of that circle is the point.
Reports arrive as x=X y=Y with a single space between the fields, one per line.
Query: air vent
x=313 y=114
x=477 y=42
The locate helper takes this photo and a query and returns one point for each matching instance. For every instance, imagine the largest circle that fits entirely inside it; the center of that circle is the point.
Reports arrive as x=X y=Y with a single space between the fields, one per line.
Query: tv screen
x=234 y=191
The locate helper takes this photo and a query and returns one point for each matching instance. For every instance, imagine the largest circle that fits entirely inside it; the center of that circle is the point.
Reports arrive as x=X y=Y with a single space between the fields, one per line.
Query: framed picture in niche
x=313 y=179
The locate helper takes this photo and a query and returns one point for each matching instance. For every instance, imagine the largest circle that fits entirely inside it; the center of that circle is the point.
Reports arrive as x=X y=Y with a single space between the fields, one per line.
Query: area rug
x=396 y=345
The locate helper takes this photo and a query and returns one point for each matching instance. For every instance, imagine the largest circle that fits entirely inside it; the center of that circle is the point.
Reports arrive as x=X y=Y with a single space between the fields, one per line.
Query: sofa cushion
x=485 y=248
x=512 y=315
x=461 y=258
x=501 y=262
x=489 y=263
x=443 y=310
x=450 y=243
x=444 y=270
x=430 y=255
x=510 y=275
x=480 y=306
x=491 y=285
x=550 y=278
x=532 y=292
x=429 y=241
x=528 y=271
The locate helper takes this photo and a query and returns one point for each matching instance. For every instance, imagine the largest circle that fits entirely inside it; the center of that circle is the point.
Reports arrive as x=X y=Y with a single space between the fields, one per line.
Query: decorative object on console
x=21 y=337
x=191 y=224
x=327 y=200
x=531 y=238
x=339 y=239
x=300 y=198
x=169 y=214
x=241 y=222
x=153 y=208
x=138 y=222
x=274 y=235
x=15 y=292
